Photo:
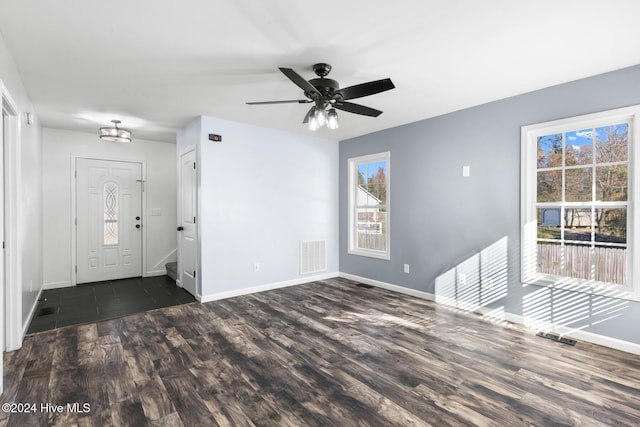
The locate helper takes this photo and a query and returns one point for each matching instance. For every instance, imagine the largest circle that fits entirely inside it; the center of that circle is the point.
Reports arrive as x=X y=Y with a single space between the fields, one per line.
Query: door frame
x=12 y=329
x=74 y=202
x=179 y=218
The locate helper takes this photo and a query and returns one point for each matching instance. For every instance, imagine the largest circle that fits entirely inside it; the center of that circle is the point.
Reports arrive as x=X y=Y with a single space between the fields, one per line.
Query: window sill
x=370 y=254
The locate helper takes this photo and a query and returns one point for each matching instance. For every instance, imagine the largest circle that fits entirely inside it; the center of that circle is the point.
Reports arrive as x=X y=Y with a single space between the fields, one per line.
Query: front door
x=187 y=228
x=108 y=220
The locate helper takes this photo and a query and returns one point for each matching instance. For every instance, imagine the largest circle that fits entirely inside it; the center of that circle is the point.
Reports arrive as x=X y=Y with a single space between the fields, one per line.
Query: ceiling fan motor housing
x=327 y=87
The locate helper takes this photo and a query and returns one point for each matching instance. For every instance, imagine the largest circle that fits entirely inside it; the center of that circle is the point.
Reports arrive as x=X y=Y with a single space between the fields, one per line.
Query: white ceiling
x=157 y=64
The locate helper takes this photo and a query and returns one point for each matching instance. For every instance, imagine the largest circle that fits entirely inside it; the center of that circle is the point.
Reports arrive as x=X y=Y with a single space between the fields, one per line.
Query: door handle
x=137 y=218
x=180 y=228
x=137 y=225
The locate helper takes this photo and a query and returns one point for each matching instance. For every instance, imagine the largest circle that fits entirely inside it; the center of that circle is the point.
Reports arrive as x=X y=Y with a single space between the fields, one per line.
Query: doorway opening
x=10 y=277
x=108 y=203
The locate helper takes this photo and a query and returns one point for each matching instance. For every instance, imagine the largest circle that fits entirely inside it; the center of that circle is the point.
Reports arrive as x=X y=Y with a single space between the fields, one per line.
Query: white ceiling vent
x=313 y=256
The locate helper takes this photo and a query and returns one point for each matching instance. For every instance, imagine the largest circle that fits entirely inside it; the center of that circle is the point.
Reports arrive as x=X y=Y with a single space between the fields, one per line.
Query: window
x=110 y=213
x=578 y=190
x=369 y=205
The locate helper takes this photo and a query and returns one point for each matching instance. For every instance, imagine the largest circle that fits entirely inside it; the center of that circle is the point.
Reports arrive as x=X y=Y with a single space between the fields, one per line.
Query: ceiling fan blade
x=308 y=115
x=298 y=101
x=357 y=109
x=300 y=82
x=366 y=89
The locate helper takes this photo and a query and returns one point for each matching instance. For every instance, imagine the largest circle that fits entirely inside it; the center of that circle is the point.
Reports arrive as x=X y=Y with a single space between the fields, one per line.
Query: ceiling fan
x=327 y=96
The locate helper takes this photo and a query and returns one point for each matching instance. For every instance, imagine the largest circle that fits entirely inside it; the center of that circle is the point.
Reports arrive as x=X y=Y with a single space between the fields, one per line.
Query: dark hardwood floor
x=326 y=353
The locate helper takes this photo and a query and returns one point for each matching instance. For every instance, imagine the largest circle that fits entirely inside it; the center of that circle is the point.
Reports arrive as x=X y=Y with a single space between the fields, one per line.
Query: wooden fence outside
x=609 y=263
x=376 y=242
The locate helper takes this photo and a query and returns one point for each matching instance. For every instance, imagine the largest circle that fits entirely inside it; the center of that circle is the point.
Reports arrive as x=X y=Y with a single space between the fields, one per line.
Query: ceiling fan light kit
x=332 y=120
x=327 y=96
x=115 y=134
x=313 y=123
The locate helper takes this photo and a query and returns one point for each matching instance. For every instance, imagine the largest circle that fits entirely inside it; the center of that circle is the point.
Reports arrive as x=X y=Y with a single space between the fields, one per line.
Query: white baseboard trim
x=266 y=287
x=603 y=340
x=32 y=313
x=54 y=285
x=154 y=273
x=626 y=346
x=578 y=334
x=389 y=286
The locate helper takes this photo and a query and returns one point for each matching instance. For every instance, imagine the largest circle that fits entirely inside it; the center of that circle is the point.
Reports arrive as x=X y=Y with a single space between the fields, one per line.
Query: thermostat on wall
x=215 y=138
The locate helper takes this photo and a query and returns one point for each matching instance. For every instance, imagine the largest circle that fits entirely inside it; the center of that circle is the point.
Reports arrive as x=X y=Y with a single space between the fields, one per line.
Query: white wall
x=30 y=217
x=26 y=208
x=59 y=146
x=261 y=191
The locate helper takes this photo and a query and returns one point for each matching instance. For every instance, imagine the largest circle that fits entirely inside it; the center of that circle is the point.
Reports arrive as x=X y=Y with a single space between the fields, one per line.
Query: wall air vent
x=313 y=256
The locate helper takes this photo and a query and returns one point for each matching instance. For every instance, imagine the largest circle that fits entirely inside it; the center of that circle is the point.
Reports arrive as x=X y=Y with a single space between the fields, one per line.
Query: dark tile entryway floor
x=105 y=300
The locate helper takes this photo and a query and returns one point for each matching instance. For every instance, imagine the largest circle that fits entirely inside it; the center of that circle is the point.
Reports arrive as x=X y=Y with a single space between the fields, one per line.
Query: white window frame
x=528 y=226
x=353 y=197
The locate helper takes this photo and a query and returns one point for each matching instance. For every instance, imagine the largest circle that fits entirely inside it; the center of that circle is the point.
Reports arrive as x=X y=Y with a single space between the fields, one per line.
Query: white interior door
x=187 y=229
x=108 y=220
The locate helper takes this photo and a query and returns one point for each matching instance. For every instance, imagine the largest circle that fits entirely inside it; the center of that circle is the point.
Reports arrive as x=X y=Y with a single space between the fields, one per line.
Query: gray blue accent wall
x=443 y=224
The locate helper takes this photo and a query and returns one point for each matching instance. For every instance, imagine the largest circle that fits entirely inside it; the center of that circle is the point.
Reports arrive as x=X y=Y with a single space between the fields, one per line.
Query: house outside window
x=369 y=193
x=578 y=189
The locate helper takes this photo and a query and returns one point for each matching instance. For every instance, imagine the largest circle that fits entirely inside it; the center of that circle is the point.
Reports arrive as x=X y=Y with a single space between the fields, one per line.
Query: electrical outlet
x=406 y=268
x=256 y=267
x=466 y=170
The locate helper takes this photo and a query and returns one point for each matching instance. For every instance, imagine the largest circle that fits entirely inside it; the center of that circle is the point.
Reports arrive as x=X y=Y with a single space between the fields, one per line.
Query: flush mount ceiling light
x=115 y=133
